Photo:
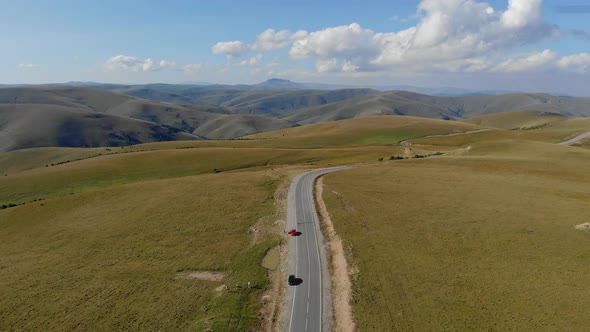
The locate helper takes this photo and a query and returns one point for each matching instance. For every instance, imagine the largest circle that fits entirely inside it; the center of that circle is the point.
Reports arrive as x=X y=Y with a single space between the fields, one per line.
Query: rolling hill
x=109 y=236
x=170 y=112
x=372 y=130
x=21 y=127
x=447 y=108
x=274 y=102
x=85 y=117
x=381 y=104
x=517 y=120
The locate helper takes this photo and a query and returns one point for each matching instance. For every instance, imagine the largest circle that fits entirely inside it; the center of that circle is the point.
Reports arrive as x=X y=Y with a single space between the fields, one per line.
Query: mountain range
x=283 y=84
x=94 y=114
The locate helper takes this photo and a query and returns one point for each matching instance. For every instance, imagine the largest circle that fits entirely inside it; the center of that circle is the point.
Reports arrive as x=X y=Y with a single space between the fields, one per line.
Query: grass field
x=482 y=242
x=107 y=259
x=479 y=239
x=376 y=130
x=524 y=120
x=95 y=173
x=116 y=227
x=559 y=130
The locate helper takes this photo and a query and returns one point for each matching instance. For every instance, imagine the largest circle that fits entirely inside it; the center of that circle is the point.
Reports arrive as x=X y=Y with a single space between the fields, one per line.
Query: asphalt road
x=308 y=303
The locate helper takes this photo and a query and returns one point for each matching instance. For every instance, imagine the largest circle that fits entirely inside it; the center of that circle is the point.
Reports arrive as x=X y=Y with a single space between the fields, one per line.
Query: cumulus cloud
x=268 y=40
x=326 y=65
x=450 y=35
x=167 y=64
x=130 y=63
x=521 y=13
x=529 y=62
x=578 y=62
x=345 y=40
x=464 y=65
x=192 y=68
x=27 y=65
x=274 y=40
x=231 y=49
x=252 y=62
x=349 y=67
x=461 y=29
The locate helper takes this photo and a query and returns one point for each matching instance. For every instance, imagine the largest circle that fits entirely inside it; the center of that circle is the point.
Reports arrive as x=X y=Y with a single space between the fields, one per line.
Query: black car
x=292 y=280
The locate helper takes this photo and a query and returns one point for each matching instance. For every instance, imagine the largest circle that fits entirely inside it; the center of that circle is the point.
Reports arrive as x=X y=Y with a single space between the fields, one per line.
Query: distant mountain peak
x=277 y=80
x=278 y=83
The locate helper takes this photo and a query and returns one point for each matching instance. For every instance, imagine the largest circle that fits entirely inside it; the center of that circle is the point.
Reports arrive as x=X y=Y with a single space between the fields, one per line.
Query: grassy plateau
x=480 y=238
x=484 y=241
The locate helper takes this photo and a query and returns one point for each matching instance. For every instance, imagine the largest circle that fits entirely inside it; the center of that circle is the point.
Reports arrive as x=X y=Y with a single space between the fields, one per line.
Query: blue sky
x=527 y=45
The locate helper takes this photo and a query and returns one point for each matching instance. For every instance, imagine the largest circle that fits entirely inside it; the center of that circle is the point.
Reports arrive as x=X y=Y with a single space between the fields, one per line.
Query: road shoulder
x=339 y=270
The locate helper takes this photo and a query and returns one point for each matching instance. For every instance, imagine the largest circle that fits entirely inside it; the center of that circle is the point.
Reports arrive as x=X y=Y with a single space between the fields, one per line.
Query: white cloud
x=521 y=13
x=462 y=29
x=532 y=61
x=334 y=41
x=268 y=40
x=450 y=35
x=231 y=49
x=349 y=66
x=27 y=65
x=464 y=65
x=192 y=68
x=300 y=34
x=167 y=64
x=252 y=62
x=274 y=40
x=578 y=62
x=130 y=63
x=324 y=65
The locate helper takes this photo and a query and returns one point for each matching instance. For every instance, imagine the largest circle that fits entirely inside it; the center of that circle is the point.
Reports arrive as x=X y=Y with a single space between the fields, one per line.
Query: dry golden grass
x=110 y=170
x=460 y=242
x=553 y=132
x=526 y=120
x=376 y=130
x=107 y=260
x=478 y=242
x=369 y=131
x=21 y=160
x=102 y=251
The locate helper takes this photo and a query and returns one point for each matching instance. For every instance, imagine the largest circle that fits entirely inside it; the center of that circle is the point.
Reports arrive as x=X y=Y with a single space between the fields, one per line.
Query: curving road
x=308 y=306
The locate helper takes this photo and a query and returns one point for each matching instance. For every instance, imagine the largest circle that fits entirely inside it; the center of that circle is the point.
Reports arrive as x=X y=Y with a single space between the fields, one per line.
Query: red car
x=292 y=232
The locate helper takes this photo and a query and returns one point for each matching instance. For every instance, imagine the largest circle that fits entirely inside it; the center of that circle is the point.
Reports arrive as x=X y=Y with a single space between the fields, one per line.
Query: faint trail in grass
x=576 y=139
